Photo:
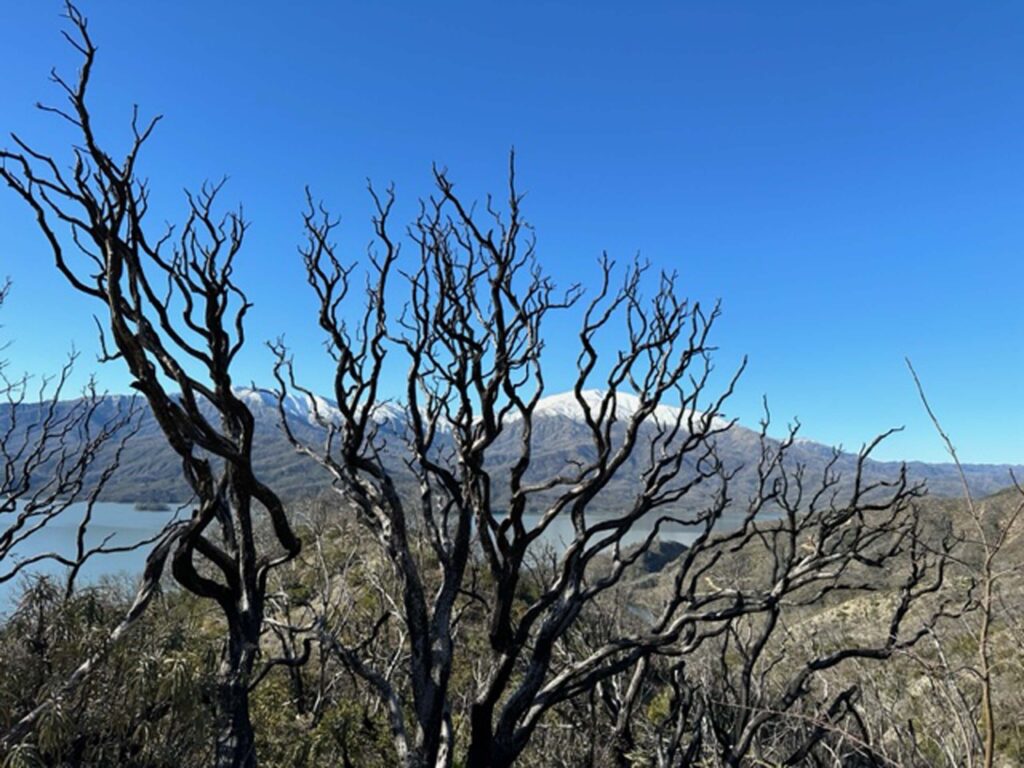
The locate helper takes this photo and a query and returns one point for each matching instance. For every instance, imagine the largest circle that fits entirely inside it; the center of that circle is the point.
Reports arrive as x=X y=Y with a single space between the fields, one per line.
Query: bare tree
x=765 y=686
x=174 y=317
x=50 y=467
x=459 y=533
x=472 y=336
x=332 y=598
x=56 y=458
x=985 y=562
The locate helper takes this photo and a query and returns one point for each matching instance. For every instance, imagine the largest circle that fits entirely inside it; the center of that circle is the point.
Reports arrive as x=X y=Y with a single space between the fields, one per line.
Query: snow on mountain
x=568 y=406
x=312 y=410
x=150 y=468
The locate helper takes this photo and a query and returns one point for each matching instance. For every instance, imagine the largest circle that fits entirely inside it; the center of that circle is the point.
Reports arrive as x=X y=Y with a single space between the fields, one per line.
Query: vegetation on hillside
x=413 y=615
x=920 y=709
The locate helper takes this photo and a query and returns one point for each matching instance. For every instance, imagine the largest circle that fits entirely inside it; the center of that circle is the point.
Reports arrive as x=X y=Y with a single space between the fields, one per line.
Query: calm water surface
x=127 y=525
x=123 y=522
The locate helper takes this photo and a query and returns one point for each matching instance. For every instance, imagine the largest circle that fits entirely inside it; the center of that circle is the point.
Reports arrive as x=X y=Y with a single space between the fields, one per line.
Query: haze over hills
x=150 y=471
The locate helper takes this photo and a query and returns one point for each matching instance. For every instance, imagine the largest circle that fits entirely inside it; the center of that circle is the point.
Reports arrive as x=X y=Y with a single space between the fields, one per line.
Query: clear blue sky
x=847 y=177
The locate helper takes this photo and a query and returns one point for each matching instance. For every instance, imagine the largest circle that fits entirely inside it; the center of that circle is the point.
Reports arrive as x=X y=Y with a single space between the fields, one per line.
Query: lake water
x=127 y=525
x=123 y=522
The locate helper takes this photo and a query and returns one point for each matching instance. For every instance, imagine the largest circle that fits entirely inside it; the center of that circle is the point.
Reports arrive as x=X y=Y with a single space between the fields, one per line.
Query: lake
x=123 y=522
x=126 y=525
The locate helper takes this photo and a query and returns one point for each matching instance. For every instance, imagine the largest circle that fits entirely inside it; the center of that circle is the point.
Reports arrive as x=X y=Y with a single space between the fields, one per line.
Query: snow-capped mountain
x=560 y=438
x=317 y=410
x=314 y=410
x=567 y=405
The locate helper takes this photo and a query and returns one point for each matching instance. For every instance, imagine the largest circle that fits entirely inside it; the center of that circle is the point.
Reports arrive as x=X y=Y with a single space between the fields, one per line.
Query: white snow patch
x=626 y=404
x=565 y=405
x=313 y=409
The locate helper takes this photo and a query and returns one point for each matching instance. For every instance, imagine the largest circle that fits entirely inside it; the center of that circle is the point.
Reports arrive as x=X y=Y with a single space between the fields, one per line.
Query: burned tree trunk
x=470 y=337
x=175 y=319
x=236 y=743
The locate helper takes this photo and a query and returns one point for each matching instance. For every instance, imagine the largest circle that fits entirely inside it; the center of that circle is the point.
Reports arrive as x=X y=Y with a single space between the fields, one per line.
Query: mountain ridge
x=150 y=472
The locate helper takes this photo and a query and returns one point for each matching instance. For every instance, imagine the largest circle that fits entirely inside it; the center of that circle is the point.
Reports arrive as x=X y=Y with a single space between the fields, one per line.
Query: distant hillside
x=150 y=472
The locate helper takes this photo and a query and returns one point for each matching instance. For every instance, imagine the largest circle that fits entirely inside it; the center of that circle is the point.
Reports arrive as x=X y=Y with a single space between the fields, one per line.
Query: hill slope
x=150 y=472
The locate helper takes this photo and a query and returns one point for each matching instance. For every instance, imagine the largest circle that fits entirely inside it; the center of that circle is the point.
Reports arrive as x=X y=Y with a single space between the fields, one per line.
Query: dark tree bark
x=471 y=336
x=51 y=460
x=175 y=318
x=50 y=453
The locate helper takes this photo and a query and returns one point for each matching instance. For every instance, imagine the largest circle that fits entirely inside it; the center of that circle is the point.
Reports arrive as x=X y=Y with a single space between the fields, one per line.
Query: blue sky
x=847 y=178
